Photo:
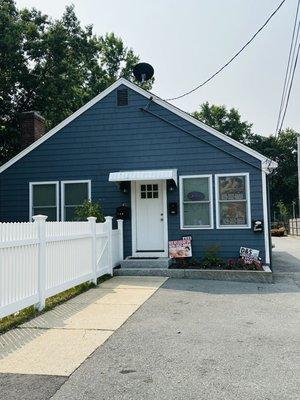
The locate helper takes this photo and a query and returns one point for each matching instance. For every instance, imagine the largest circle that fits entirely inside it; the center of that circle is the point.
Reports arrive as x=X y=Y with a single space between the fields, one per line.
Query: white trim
x=248 y=200
x=266 y=216
x=122 y=81
x=62 y=193
x=134 y=221
x=31 y=184
x=211 y=200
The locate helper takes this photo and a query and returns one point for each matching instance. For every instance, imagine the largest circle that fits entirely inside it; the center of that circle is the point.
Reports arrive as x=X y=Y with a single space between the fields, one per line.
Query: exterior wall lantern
x=171 y=185
x=124 y=187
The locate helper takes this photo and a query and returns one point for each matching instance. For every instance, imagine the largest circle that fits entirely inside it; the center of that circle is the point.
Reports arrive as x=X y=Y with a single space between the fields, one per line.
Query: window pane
x=76 y=193
x=70 y=213
x=232 y=188
x=50 y=212
x=195 y=189
x=44 y=195
x=233 y=213
x=196 y=214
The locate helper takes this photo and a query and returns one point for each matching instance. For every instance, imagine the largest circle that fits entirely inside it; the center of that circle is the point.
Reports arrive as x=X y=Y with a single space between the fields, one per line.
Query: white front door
x=150 y=219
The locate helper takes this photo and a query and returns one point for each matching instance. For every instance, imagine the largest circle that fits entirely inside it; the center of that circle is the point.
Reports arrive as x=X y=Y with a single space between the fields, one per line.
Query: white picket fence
x=294 y=227
x=40 y=259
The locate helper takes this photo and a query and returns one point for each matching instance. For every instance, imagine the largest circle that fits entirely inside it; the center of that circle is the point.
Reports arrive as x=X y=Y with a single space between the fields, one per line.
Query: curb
x=265 y=276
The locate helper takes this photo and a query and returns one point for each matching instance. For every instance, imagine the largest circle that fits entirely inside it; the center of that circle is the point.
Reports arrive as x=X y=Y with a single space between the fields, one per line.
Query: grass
x=14 y=320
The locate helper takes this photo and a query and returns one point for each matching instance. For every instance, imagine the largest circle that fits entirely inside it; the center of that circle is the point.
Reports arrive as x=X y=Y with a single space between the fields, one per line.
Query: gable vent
x=122 y=97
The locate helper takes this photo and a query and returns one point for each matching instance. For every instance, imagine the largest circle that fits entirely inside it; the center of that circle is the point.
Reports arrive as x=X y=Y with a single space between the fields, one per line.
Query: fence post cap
x=108 y=218
x=39 y=217
x=92 y=219
x=120 y=220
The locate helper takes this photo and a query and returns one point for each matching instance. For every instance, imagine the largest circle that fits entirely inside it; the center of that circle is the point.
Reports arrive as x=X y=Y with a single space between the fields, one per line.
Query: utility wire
x=232 y=58
x=289 y=66
x=290 y=88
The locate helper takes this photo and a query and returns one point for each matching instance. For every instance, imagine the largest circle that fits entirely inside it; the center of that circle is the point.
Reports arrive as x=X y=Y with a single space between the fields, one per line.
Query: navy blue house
x=172 y=176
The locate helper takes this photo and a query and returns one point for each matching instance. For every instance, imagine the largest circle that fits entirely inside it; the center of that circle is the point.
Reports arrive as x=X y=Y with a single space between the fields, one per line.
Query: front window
x=196 y=202
x=44 y=199
x=74 y=193
x=233 y=200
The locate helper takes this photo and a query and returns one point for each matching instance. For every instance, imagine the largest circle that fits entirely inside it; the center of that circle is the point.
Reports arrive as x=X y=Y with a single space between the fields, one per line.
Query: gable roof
x=267 y=164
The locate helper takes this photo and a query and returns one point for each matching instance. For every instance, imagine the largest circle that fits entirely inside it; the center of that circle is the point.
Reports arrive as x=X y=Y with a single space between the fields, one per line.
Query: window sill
x=183 y=228
x=234 y=227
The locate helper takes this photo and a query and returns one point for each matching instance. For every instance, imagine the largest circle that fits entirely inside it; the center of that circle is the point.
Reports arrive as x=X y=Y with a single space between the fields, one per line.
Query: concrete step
x=148 y=263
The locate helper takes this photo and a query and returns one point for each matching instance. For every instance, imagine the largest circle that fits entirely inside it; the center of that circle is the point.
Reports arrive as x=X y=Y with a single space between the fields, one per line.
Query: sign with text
x=180 y=248
x=249 y=255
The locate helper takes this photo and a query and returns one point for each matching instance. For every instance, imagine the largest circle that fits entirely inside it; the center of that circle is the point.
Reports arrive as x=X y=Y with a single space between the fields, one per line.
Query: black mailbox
x=173 y=208
x=123 y=212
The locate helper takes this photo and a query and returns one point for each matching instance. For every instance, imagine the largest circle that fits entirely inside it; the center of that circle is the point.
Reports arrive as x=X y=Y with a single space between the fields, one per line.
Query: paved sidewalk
x=57 y=342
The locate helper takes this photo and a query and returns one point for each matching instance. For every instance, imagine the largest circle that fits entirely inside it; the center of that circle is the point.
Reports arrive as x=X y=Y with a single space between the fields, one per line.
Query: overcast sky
x=187 y=40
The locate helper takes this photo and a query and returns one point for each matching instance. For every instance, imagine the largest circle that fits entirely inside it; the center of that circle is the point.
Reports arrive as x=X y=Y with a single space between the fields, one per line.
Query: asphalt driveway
x=191 y=340
x=286 y=254
x=200 y=340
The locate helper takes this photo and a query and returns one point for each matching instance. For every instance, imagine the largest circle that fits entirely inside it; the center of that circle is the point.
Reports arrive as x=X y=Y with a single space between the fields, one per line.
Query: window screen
x=75 y=193
x=44 y=200
x=196 y=202
x=232 y=201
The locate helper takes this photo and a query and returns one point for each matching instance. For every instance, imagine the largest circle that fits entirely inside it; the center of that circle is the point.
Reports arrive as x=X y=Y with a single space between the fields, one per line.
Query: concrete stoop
x=146 y=262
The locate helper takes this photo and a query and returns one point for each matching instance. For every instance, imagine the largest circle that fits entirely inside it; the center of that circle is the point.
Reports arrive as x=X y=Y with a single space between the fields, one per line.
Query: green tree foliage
x=52 y=66
x=282 y=149
x=225 y=121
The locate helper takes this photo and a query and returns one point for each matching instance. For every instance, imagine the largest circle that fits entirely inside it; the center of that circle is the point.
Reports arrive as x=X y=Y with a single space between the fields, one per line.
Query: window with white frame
x=73 y=194
x=233 y=200
x=196 y=202
x=44 y=200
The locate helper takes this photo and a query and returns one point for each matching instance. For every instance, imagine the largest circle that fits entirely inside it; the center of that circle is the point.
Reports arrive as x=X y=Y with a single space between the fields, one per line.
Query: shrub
x=89 y=209
x=211 y=257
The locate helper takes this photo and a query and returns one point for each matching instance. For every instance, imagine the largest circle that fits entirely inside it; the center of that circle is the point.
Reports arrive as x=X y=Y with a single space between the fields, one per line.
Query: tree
x=284 y=180
x=53 y=66
x=282 y=149
x=228 y=122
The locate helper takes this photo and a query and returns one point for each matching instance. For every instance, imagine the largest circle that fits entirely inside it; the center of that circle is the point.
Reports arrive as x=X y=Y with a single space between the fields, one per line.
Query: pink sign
x=180 y=248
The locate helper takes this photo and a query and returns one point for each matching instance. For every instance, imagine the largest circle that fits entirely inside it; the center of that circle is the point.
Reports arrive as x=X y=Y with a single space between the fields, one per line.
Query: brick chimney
x=32 y=127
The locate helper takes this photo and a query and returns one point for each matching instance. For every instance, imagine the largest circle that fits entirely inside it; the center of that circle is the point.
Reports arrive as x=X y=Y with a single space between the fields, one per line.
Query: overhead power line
x=289 y=89
x=231 y=59
x=290 y=72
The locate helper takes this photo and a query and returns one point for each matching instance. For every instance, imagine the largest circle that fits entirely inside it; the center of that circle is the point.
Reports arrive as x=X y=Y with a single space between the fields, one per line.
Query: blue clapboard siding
x=108 y=138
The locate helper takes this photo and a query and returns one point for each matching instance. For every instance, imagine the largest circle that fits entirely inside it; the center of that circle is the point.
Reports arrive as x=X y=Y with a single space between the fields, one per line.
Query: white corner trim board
x=266 y=216
x=268 y=164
